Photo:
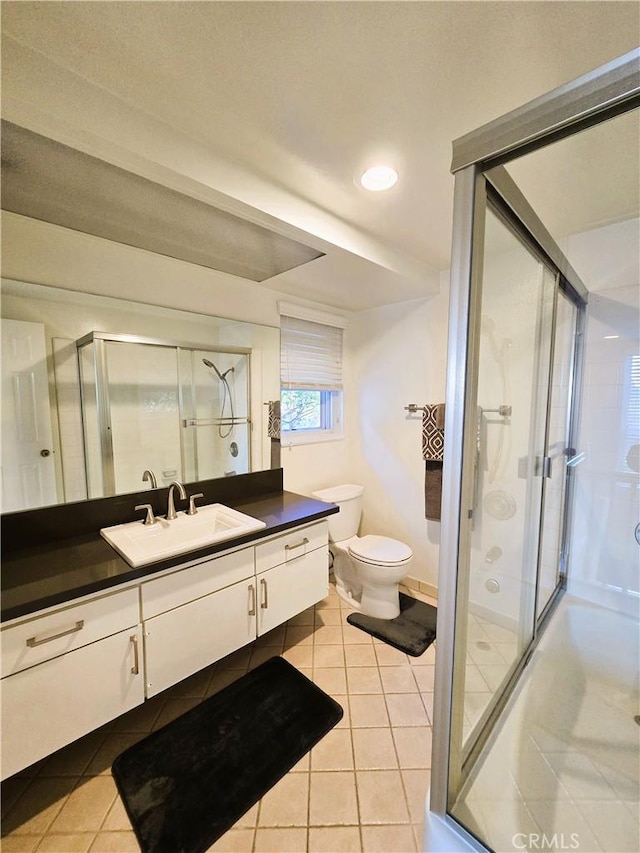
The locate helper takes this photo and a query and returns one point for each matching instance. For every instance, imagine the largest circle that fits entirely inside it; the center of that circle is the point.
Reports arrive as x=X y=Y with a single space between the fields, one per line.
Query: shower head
x=210 y=364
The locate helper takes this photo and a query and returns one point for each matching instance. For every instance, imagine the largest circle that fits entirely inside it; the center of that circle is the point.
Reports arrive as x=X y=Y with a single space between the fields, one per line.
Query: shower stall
x=179 y=411
x=536 y=736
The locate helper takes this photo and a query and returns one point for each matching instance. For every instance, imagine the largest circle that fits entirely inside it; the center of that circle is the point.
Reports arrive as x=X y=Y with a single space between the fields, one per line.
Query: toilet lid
x=380 y=550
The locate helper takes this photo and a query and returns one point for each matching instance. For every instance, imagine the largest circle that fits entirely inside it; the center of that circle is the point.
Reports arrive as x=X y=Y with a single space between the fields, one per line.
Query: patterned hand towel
x=273 y=431
x=433 y=453
x=273 y=423
x=433 y=432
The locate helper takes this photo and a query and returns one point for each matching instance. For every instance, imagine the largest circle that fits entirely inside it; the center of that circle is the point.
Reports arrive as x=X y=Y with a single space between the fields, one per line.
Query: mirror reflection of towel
x=273 y=431
x=273 y=422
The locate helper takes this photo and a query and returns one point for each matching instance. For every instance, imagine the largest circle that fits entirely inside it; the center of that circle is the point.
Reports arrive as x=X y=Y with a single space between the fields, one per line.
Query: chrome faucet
x=150 y=477
x=171 y=508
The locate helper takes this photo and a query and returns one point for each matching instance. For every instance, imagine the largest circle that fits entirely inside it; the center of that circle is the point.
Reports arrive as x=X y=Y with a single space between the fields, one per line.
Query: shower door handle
x=576 y=460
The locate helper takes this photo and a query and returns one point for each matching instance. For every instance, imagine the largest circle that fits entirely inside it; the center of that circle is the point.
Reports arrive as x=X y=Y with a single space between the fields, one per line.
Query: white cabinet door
x=52 y=704
x=290 y=588
x=188 y=638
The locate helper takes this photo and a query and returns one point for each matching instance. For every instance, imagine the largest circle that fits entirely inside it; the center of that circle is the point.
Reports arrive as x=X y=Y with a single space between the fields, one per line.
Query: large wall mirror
x=99 y=393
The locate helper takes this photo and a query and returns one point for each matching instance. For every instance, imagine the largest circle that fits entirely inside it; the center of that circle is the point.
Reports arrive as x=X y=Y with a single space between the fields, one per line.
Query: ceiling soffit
x=46 y=180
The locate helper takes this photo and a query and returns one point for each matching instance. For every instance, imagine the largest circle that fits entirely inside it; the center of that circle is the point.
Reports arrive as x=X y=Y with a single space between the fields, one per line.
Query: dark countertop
x=60 y=570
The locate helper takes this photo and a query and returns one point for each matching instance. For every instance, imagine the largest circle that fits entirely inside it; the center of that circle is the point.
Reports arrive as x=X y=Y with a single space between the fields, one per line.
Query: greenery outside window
x=311 y=380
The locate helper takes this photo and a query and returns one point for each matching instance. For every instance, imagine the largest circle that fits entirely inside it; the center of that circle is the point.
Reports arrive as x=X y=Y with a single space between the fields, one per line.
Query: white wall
x=48 y=254
x=399 y=358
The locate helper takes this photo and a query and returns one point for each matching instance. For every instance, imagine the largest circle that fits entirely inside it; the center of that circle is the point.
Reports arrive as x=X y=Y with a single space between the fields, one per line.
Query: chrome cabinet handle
x=33 y=641
x=135 y=669
x=252 y=608
x=265 y=598
x=305 y=541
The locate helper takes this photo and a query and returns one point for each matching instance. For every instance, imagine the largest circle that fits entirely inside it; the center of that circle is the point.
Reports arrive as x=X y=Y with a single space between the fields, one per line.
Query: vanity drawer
x=187 y=584
x=64 y=630
x=291 y=546
x=50 y=705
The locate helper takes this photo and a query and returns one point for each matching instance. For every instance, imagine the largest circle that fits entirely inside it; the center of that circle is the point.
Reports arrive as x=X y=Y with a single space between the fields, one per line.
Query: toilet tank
x=344 y=524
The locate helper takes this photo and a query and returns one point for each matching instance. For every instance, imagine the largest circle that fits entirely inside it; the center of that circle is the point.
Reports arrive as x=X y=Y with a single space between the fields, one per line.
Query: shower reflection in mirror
x=179 y=411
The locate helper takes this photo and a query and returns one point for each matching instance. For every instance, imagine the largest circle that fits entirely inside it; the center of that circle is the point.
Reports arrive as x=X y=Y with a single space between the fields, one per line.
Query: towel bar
x=503 y=411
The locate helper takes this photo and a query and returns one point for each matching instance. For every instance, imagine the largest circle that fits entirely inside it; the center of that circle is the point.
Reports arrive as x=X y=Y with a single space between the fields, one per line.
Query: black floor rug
x=188 y=783
x=412 y=631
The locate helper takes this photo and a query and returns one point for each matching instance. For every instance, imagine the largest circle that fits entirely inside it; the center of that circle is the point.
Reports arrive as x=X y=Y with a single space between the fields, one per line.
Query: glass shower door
x=520 y=355
x=552 y=569
x=514 y=345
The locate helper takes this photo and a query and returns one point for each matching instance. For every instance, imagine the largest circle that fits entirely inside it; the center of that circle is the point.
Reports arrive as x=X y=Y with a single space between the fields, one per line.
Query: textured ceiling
x=304 y=95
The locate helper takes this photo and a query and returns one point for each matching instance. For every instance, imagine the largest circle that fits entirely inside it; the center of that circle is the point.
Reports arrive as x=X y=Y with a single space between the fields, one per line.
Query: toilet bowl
x=367 y=569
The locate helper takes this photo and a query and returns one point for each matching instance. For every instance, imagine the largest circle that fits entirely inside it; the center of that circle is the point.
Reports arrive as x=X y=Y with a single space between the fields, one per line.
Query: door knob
x=45 y=452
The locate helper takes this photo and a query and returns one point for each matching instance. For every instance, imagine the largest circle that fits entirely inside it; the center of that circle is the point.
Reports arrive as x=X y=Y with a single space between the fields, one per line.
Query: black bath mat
x=412 y=631
x=188 y=783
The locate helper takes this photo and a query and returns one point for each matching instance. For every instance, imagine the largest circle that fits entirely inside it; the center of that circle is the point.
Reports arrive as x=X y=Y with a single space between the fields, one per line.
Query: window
x=311 y=379
x=630 y=426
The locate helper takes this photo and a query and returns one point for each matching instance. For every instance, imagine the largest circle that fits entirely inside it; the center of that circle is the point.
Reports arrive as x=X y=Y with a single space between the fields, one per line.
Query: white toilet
x=367 y=569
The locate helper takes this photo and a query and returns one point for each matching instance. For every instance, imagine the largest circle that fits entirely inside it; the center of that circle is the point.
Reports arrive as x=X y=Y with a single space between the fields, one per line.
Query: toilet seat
x=380 y=550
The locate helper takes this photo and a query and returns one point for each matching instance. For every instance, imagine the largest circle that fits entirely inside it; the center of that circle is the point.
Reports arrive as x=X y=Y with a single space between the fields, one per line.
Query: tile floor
x=362 y=788
x=491 y=653
x=564 y=763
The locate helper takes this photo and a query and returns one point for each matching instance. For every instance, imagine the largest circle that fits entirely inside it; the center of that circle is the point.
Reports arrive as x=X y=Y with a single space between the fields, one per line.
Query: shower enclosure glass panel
x=181 y=412
x=552 y=549
x=513 y=381
x=91 y=420
x=143 y=410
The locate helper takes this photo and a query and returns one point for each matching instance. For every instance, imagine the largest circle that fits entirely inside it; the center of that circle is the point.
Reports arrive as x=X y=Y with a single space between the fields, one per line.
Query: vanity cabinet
x=292 y=574
x=197 y=615
x=71 y=669
x=66 y=673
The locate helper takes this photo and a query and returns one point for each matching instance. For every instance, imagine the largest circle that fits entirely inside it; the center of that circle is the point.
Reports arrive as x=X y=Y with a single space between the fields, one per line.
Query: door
x=53 y=703
x=290 y=588
x=188 y=638
x=510 y=388
x=506 y=468
x=28 y=473
x=562 y=457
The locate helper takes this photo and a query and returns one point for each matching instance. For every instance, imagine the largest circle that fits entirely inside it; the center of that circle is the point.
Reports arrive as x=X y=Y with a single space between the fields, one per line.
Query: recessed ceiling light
x=379 y=178
x=611 y=337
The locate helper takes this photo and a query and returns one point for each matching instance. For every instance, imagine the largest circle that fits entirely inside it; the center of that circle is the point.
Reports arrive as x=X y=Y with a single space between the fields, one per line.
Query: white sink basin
x=140 y=543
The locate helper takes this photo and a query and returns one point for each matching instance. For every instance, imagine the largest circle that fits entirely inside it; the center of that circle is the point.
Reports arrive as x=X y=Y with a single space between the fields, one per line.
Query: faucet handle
x=192 y=503
x=150 y=517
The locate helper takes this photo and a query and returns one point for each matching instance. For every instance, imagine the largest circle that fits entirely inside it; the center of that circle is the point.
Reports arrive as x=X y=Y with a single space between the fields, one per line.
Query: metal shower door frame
x=610 y=90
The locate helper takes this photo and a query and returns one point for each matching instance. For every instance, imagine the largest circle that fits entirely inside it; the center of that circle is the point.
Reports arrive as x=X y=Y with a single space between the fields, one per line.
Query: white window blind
x=311 y=354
